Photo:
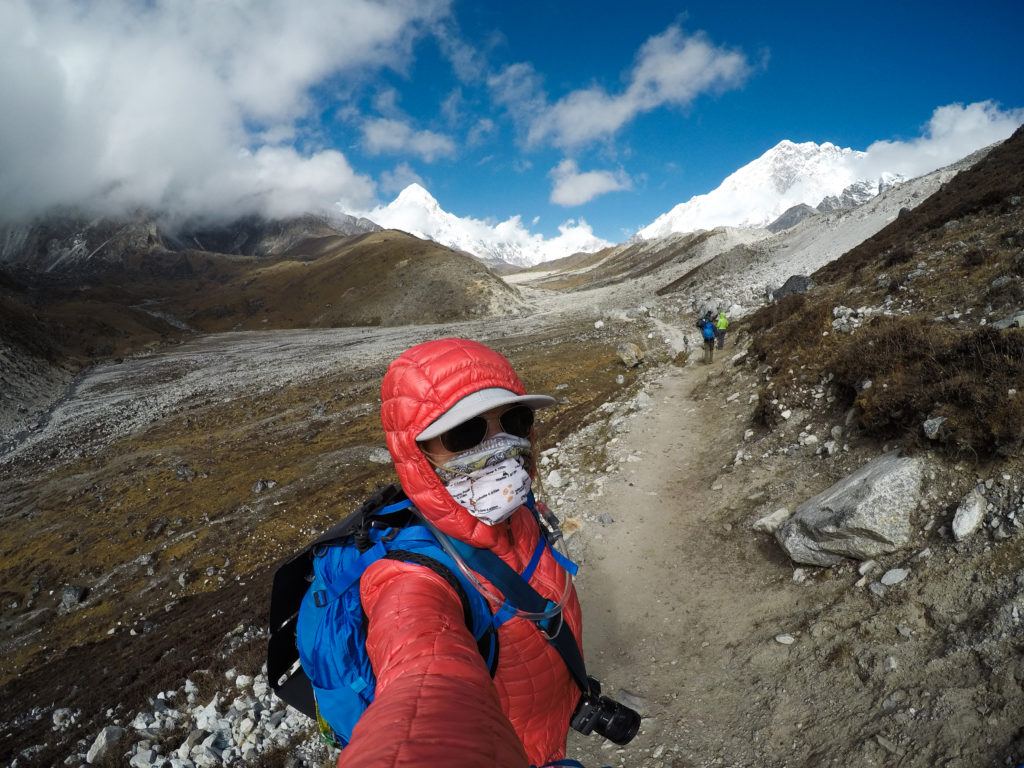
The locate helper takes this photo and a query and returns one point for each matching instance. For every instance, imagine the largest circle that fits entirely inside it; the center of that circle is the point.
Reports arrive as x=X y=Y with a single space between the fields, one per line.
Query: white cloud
x=401 y=176
x=481 y=129
x=573 y=187
x=954 y=131
x=388 y=136
x=671 y=69
x=180 y=106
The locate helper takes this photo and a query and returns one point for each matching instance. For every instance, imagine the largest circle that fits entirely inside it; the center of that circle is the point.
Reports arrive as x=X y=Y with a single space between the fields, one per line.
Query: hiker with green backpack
x=438 y=624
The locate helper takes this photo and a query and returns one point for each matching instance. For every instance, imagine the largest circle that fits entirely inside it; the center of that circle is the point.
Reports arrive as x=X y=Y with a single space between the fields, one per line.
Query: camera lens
x=616 y=722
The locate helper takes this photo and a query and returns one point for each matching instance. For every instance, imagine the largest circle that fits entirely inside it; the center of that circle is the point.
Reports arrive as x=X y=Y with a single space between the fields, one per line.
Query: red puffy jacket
x=435 y=701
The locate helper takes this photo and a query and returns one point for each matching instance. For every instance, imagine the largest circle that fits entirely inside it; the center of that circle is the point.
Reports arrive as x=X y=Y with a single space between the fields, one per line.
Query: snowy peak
x=787 y=175
x=415 y=195
x=859 y=192
x=417 y=212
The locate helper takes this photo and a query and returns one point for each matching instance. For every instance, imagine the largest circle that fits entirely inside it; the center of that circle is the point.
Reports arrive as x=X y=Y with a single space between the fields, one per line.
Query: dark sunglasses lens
x=465 y=435
x=518 y=421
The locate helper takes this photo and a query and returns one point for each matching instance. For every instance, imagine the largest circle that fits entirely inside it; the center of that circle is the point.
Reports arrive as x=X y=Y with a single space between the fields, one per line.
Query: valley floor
x=683 y=602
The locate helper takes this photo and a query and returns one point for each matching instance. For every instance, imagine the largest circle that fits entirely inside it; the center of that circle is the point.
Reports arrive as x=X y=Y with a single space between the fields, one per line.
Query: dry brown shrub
x=920 y=370
x=787 y=327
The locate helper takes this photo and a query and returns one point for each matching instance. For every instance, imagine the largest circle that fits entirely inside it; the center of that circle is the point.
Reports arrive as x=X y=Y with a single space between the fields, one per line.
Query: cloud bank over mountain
x=186 y=107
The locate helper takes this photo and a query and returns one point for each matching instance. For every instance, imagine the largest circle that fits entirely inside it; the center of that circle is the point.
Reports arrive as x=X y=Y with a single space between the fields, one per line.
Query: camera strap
x=519 y=595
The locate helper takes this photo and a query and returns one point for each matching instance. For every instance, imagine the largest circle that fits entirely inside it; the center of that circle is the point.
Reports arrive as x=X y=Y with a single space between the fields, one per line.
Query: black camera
x=615 y=721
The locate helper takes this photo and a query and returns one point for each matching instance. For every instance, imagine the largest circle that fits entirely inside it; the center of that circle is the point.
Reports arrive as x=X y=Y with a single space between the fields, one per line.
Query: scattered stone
x=862 y=516
x=786 y=414
x=866 y=567
x=877 y=589
x=969 y=514
x=800 y=575
x=620 y=379
x=785 y=639
x=105 y=739
x=262 y=485
x=630 y=354
x=185 y=473
x=379 y=455
x=599 y=324
x=71 y=596
x=63 y=717
x=554 y=479
x=770 y=523
x=933 y=427
x=894 y=576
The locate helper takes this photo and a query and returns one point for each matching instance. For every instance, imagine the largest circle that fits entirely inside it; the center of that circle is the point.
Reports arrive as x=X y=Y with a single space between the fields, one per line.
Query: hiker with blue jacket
x=707 y=331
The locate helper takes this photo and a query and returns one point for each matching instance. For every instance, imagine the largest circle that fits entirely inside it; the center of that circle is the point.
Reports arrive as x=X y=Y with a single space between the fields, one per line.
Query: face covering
x=490 y=481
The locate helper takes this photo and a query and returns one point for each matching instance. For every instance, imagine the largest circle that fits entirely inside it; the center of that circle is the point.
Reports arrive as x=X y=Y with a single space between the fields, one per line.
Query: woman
x=458 y=424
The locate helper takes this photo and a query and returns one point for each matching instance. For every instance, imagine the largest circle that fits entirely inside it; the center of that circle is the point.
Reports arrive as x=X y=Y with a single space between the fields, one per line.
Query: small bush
x=920 y=370
x=901 y=254
x=975 y=257
x=788 y=326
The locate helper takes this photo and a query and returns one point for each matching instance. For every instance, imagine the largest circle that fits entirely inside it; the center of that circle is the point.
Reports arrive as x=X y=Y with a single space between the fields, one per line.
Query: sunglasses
x=517 y=421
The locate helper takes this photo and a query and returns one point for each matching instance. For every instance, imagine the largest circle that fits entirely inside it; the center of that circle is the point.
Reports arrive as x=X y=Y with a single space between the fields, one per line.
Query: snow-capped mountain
x=859 y=192
x=417 y=212
x=758 y=193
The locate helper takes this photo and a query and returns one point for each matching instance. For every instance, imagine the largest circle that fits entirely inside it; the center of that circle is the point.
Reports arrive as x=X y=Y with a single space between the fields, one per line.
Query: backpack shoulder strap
x=520 y=595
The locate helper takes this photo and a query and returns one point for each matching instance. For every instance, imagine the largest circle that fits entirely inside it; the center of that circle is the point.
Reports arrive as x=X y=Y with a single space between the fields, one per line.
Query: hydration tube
x=554 y=607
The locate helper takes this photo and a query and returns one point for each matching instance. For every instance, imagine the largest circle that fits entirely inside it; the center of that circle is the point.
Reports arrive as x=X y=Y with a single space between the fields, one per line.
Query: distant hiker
x=707 y=332
x=472 y=624
x=721 y=326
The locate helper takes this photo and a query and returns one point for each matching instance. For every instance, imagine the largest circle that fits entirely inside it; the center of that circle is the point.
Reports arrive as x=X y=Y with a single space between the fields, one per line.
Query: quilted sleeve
x=435 y=703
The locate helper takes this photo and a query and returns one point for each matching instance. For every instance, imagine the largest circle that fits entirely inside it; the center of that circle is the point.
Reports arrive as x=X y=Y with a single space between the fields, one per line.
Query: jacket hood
x=420 y=385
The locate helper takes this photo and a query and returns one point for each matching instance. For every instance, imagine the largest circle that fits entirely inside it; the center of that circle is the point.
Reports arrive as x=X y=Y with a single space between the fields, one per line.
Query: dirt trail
x=670 y=598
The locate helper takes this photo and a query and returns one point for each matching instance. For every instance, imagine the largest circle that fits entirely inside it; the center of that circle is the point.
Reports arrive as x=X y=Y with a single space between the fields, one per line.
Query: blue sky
x=870 y=71
x=547 y=110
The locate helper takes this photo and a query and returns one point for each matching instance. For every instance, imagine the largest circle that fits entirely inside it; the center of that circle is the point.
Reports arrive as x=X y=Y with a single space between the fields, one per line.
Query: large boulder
x=862 y=516
x=795 y=284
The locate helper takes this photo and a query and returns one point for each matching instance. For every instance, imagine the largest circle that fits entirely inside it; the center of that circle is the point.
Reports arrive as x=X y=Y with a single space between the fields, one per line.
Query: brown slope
x=385 y=278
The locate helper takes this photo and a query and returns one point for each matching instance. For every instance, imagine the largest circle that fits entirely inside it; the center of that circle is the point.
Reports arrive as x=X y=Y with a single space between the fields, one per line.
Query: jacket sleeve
x=435 y=703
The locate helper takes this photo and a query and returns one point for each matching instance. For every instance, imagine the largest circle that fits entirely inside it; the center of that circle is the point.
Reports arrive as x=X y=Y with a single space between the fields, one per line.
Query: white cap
x=479 y=402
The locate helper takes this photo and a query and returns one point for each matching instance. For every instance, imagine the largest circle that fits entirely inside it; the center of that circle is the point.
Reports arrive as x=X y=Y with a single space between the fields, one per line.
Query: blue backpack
x=707 y=329
x=316 y=655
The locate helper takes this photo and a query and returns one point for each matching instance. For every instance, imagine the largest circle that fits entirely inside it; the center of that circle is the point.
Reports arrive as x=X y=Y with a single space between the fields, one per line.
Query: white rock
x=785 y=639
x=894 y=576
x=105 y=739
x=63 y=717
x=769 y=523
x=554 y=479
x=599 y=324
x=786 y=414
x=866 y=567
x=243 y=681
x=969 y=515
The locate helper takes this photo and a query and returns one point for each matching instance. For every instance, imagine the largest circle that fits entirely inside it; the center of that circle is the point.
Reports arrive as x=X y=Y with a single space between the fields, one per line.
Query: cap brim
x=479 y=402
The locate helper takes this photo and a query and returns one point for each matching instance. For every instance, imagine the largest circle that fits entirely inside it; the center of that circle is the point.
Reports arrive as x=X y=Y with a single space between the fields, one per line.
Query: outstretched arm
x=435 y=703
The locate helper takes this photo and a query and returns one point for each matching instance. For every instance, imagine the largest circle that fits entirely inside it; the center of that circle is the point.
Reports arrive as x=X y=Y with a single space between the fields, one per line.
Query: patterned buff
x=490 y=480
x=491 y=451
